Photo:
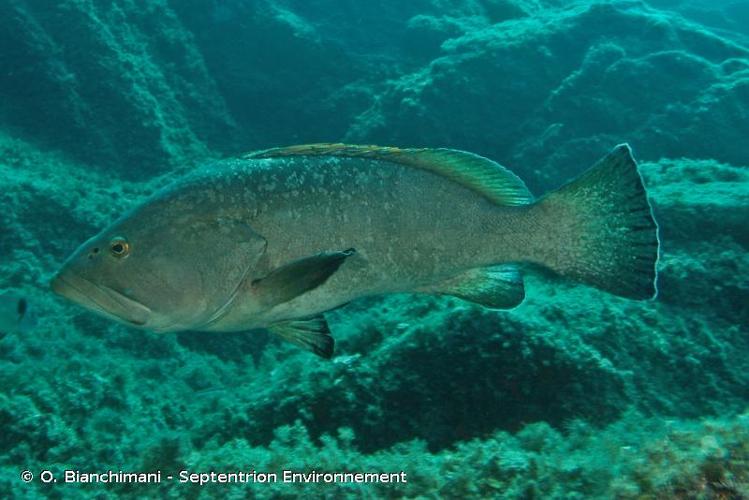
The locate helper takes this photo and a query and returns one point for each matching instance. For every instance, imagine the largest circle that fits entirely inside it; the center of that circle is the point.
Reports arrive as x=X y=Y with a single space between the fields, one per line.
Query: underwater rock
x=209 y=79
x=702 y=208
x=567 y=352
x=574 y=393
x=114 y=85
x=546 y=93
x=699 y=200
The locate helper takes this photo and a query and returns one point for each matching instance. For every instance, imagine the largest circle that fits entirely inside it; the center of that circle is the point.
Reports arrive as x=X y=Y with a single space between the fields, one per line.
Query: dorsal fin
x=475 y=172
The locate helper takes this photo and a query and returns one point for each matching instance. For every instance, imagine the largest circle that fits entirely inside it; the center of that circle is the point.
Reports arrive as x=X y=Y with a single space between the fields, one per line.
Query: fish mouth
x=100 y=299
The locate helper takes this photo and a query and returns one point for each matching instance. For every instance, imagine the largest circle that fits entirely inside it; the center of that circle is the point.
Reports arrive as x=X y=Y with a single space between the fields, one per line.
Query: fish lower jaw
x=101 y=300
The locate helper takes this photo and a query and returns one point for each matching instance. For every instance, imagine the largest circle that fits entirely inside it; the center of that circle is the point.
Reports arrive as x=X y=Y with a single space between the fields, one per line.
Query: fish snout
x=57 y=283
x=62 y=283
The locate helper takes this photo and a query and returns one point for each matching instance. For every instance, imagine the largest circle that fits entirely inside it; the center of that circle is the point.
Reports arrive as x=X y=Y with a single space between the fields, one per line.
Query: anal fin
x=496 y=287
x=311 y=334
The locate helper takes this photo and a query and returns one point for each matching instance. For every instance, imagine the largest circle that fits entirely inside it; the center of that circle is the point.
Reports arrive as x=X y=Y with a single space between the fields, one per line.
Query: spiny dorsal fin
x=475 y=172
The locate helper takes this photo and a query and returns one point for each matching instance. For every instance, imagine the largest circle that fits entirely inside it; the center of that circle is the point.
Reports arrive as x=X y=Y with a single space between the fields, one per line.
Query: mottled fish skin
x=198 y=245
x=276 y=238
x=409 y=227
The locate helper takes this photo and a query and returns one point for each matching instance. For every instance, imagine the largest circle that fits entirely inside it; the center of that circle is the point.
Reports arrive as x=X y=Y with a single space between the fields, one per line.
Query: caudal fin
x=599 y=228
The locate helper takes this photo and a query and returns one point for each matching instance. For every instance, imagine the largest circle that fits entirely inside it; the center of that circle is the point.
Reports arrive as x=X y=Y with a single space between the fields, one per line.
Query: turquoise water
x=576 y=393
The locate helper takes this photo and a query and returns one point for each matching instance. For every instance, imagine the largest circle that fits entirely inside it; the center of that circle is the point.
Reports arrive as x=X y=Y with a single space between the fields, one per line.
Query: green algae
x=571 y=358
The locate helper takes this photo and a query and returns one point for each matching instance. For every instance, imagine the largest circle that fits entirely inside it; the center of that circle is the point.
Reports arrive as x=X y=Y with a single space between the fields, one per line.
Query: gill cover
x=207 y=270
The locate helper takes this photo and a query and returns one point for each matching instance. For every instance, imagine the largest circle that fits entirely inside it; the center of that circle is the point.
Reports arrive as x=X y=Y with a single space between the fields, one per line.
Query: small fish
x=278 y=237
x=14 y=314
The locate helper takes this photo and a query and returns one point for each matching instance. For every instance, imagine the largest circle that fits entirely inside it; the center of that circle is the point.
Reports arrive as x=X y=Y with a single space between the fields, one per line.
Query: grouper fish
x=276 y=238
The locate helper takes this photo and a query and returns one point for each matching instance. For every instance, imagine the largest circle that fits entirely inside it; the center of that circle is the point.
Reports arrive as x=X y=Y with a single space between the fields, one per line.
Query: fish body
x=403 y=240
x=278 y=237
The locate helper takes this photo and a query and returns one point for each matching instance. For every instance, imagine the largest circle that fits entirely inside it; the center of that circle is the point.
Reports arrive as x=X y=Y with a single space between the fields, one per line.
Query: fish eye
x=119 y=247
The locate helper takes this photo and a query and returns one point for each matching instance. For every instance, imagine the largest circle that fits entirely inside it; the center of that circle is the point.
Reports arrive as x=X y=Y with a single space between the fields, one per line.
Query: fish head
x=161 y=269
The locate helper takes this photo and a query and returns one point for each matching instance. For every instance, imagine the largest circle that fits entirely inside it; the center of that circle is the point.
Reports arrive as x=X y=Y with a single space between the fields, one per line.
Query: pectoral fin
x=298 y=277
x=497 y=287
x=311 y=334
